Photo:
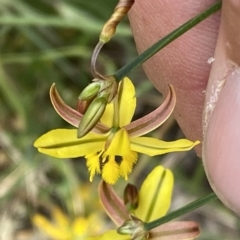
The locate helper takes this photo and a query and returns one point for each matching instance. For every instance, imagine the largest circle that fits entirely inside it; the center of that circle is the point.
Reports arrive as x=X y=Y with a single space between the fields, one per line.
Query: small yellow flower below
x=62 y=228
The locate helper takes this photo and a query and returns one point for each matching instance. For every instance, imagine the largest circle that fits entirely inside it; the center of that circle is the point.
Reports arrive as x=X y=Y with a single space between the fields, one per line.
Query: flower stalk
x=108 y=31
x=96 y=108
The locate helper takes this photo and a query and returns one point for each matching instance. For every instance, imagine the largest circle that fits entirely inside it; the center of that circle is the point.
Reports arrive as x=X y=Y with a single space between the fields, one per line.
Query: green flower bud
x=90 y=91
x=92 y=116
x=127 y=228
x=133 y=227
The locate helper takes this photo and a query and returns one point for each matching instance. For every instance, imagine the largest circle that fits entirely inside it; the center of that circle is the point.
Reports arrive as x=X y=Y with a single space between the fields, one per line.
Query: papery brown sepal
x=69 y=114
x=154 y=119
x=112 y=204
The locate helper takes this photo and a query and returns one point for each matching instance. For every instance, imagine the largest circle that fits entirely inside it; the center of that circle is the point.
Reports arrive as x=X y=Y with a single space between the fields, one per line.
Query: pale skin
x=208 y=92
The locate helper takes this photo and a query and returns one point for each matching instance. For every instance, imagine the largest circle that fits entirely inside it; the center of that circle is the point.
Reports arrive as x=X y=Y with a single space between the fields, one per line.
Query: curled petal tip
x=154 y=119
x=67 y=113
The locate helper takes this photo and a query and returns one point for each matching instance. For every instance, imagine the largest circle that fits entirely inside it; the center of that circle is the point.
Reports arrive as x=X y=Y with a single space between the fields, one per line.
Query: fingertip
x=221 y=118
x=221 y=146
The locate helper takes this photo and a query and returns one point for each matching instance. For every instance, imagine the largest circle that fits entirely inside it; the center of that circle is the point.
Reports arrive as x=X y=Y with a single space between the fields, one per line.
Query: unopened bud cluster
x=98 y=94
x=133 y=227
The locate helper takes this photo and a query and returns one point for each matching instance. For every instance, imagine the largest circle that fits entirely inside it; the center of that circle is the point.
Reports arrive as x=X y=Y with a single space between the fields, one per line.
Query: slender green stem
x=188 y=208
x=124 y=71
x=95 y=54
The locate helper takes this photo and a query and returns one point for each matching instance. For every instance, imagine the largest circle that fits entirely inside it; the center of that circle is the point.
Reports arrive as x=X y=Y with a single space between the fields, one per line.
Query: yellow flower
x=153 y=202
x=111 y=147
x=63 y=228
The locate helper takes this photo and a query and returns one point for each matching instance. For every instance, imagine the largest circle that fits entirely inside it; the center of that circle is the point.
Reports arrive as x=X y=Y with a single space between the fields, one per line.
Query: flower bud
x=133 y=227
x=110 y=26
x=127 y=228
x=131 y=197
x=92 y=116
x=90 y=91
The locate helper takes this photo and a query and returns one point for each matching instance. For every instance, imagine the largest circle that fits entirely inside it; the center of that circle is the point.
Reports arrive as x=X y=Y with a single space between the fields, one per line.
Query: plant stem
x=124 y=71
x=188 y=208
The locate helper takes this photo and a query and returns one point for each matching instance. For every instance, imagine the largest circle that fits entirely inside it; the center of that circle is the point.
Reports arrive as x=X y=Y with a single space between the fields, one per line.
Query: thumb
x=221 y=119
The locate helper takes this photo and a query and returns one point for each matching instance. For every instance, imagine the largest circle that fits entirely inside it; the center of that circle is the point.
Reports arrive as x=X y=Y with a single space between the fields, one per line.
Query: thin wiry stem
x=95 y=54
x=179 y=212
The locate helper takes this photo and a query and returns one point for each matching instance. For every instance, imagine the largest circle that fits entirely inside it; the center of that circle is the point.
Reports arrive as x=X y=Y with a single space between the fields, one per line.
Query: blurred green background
x=42 y=42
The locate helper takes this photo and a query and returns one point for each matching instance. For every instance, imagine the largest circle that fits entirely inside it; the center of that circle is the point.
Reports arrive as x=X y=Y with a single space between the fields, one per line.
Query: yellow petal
x=120 y=144
x=110 y=171
x=127 y=163
x=126 y=101
x=54 y=232
x=63 y=143
x=155 y=195
x=96 y=224
x=80 y=227
x=109 y=235
x=93 y=164
x=126 y=104
x=153 y=146
x=59 y=218
x=107 y=117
